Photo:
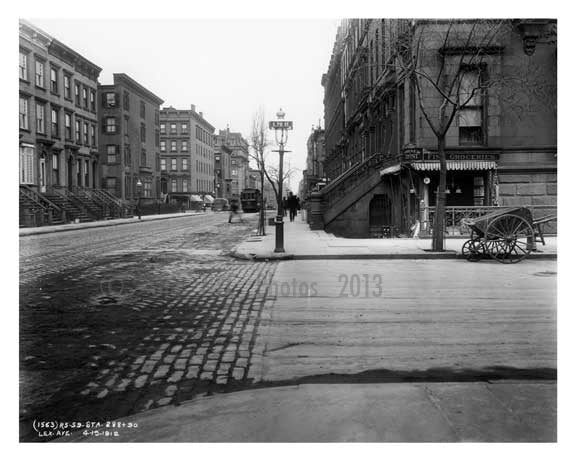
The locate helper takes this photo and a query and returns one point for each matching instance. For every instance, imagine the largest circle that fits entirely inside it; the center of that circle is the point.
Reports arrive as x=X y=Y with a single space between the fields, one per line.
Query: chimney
x=192 y=107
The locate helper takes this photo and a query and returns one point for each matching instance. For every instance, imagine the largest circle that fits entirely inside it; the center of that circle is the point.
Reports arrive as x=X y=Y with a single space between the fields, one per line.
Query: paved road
x=118 y=320
x=348 y=321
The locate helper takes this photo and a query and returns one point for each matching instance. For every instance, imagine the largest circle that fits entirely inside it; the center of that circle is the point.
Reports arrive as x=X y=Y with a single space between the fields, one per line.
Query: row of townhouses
x=92 y=151
x=374 y=168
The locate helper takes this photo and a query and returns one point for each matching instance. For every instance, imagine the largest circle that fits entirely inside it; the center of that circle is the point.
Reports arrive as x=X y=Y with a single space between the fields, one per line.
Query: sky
x=227 y=68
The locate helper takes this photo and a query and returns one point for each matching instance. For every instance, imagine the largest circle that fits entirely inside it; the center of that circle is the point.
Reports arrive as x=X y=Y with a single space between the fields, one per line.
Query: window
x=172 y=146
x=68 y=126
x=85 y=133
x=77 y=93
x=86 y=173
x=143 y=158
x=111 y=153
x=27 y=165
x=40 y=118
x=24 y=113
x=53 y=80
x=173 y=185
x=185 y=164
x=162 y=128
x=55 y=169
x=184 y=146
x=39 y=74
x=142 y=132
x=109 y=99
x=162 y=164
x=126 y=100
x=92 y=100
x=67 y=94
x=110 y=125
x=162 y=146
x=78 y=131
x=184 y=185
x=173 y=165
x=127 y=154
x=23 y=66
x=142 y=109
x=184 y=128
x=85 y=97
x=470 y=129
x=54 y=123
x=156 y=117
x=172 y=128
x=147 y=188
x=93 y=135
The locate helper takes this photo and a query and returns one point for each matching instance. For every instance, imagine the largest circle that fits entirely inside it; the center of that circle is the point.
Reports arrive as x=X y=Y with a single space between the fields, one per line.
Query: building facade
x=381 y=152
x=239 y=160
x=58 y=115
x=222 y=171
x=186 y=155
x=129 y=142
x=313 y=176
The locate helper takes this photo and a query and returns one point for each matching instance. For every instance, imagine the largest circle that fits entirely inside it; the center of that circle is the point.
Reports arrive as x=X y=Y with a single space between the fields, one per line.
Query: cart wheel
x=473 y=249
x=509 y=239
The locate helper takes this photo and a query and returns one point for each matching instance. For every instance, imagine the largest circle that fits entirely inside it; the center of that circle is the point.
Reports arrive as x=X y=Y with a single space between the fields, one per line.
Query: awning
x=208 y=199
x=455 y=165
x=195 y=198
x=390 y=170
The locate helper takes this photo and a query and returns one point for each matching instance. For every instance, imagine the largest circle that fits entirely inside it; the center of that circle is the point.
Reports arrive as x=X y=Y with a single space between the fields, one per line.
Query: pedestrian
x=234 y=211
x=292 y=206
x=285 y=206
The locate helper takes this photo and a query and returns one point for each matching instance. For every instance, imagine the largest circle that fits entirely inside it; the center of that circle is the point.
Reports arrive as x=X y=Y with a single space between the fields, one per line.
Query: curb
x=390 y=256
x=99 y=224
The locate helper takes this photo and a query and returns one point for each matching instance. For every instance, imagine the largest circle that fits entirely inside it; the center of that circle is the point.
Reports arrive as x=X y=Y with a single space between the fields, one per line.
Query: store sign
x=418 y=154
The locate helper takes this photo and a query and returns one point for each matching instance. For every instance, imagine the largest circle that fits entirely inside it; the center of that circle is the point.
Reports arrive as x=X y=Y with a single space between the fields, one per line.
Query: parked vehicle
x=220 y=204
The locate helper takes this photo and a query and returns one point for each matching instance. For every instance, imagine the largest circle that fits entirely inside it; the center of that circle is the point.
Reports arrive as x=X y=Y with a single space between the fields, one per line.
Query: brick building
x=129 y=120
x=381 y=154
x=186 y=156
x=313 y=176
x=58 y=118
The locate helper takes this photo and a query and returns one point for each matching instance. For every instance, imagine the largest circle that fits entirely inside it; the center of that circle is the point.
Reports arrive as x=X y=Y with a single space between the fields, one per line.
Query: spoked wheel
x=509 y=239
x=473 y=249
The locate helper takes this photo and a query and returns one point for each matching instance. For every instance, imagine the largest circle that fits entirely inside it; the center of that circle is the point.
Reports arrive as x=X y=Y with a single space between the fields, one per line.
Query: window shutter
x=103 y=98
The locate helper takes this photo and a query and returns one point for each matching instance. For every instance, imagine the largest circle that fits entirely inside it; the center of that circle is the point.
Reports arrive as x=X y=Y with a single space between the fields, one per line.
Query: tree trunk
x=262 y=220
x=440 y=215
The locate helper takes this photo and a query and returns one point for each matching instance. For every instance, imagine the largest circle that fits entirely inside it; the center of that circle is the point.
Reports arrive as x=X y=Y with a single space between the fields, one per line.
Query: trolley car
x=250 y=200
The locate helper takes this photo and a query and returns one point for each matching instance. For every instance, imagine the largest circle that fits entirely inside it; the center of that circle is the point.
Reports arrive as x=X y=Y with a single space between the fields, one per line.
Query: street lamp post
x=139 y=194
x=280 y=128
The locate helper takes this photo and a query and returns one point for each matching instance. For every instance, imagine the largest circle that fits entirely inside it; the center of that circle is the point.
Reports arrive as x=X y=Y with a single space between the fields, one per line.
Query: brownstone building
x=222 y=171
x=130 y=139
x=381 y=154
x=57 y=115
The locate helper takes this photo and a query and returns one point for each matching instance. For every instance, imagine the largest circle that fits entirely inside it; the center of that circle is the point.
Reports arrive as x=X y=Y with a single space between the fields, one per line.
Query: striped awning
x=455 y=165
x=196 y=198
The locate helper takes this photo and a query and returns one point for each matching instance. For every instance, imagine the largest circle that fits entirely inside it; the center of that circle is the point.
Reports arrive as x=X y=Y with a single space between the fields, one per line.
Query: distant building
x=222 y=171
x=186 y=155
x=253 y=179
x=313 y=176
x=130 y=141
x=239 y=160
x=58 y=115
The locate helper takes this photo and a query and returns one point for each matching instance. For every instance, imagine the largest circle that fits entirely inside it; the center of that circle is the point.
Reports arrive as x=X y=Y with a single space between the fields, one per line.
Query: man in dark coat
x=292 y=206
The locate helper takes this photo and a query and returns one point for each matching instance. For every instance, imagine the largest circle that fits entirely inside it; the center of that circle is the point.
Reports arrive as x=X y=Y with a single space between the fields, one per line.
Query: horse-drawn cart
x=507 y=235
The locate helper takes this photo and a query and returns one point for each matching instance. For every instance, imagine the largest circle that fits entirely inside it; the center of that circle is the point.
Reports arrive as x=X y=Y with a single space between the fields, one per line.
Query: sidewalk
x=107 y=223
x=500 y=411
x=302 y=243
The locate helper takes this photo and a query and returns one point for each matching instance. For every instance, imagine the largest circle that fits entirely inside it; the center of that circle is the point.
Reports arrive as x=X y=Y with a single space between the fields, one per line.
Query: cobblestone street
x=116 y=321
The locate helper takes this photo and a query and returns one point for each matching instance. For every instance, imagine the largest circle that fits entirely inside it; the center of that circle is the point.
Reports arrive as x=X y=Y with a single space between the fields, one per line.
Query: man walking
x=292 y=205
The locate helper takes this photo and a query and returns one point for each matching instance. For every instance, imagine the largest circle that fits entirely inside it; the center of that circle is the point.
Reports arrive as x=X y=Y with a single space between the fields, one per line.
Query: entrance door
x=42 y=174
x=70 y=169
x=381 y=216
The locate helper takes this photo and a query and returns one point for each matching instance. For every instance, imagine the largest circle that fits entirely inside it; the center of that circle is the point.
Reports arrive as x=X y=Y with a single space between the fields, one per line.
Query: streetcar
x=250 y=200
